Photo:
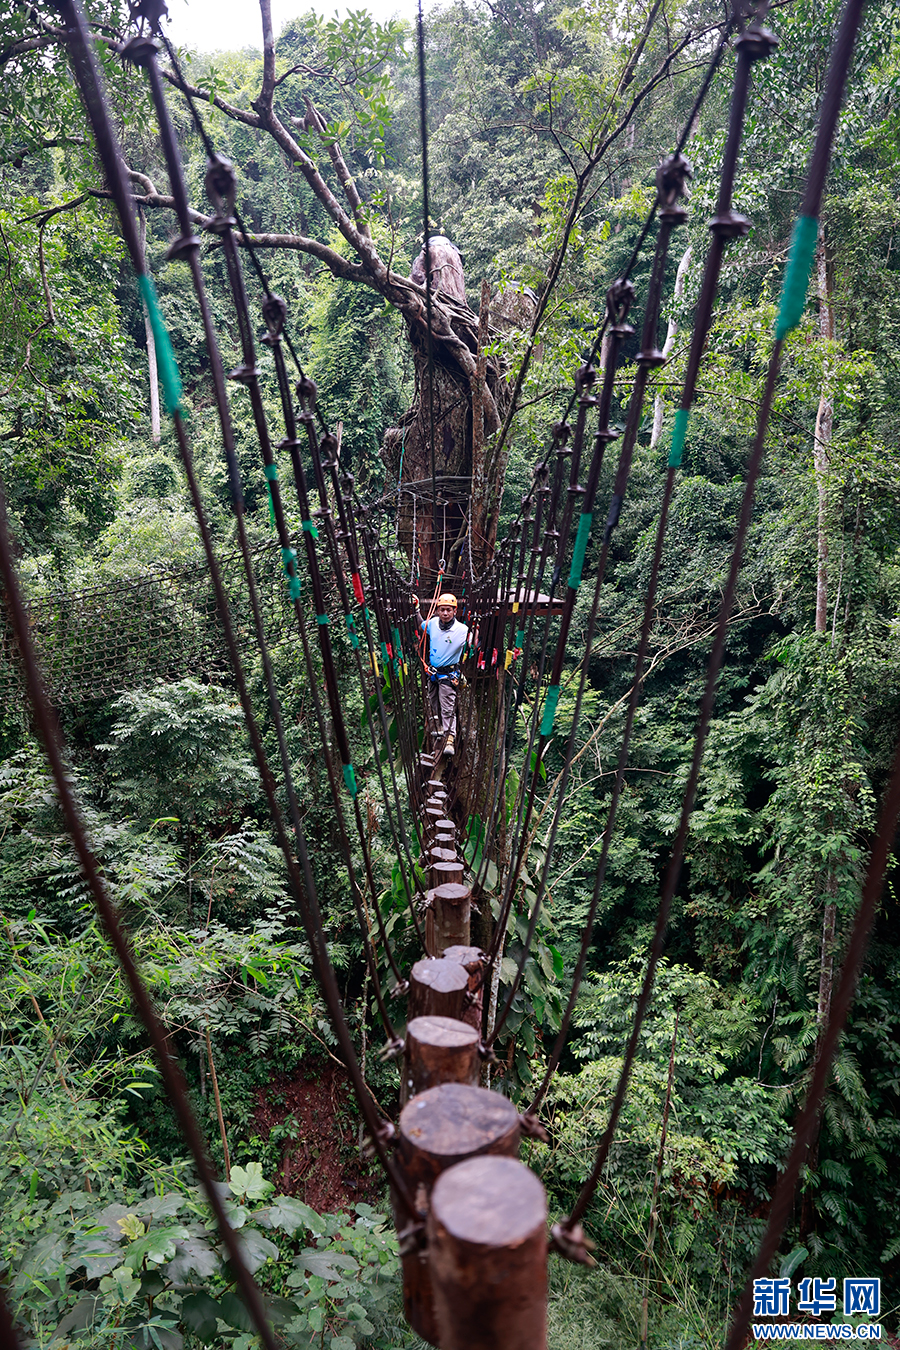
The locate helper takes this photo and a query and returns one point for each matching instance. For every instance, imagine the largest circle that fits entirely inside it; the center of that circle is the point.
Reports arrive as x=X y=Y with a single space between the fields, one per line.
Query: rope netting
x=340 y=575
x=96 y=641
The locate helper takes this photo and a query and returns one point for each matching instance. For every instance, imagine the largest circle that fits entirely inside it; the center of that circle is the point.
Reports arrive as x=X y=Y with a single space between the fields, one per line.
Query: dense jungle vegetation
x=103 y=1240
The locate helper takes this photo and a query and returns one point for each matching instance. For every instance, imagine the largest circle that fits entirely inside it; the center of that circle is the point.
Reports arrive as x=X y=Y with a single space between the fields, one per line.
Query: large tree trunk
x=453 y=402
x=824 y=424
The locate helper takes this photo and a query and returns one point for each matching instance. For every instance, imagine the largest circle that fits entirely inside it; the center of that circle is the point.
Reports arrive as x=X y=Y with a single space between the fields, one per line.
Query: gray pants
x=443 y=704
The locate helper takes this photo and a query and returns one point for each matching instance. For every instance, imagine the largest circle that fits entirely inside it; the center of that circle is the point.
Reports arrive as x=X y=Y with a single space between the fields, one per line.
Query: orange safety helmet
x=446 y=599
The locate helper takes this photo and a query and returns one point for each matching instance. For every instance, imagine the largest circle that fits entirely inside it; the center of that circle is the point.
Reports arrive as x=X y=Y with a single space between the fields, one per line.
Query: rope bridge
x=467 y=1211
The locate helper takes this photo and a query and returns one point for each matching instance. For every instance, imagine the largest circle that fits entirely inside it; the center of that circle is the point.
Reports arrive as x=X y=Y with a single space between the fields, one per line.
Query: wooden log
x=437 y=989
x=445 y=826
x=445 y=839
x=438 y=1050
x=436 y=855
x=436 y=1130
x=472 y=961
x=451 y=903
x=444 y=872
x=436 y=785
x=487 y=1256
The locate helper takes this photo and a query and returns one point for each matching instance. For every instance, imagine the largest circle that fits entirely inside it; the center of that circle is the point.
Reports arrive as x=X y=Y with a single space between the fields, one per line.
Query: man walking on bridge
x=447 y=638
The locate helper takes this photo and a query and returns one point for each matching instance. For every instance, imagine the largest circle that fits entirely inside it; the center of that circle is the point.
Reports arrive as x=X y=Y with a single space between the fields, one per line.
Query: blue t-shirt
x=445 y=648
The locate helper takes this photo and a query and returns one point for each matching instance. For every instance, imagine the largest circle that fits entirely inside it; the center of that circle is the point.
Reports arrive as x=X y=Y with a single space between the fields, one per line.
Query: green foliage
x=68 y=403
x=354 y=359
x=146 y=1265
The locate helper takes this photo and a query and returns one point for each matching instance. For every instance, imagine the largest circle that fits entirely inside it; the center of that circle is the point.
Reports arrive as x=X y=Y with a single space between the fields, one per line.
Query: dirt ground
x=322 y=1165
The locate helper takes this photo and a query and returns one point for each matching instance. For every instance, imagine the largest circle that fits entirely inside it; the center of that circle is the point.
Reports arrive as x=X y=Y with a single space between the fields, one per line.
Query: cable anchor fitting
x=328 y=450
x=672 y=177
x=151 y=12
x=274 y=312
x=140 y=49
x=385 y=1135
x=572 y=1243
x=585 y=379
x=411 y=1239
x=619 y=299
x=532 y=1128
x=307 y=392
x=221 y=188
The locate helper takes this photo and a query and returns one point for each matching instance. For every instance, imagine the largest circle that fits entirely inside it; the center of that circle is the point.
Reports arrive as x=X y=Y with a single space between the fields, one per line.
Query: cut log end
x=437 y=1129
x=437 y=988
x=455 y=1121
x=439 y=1050
x=488 y=1256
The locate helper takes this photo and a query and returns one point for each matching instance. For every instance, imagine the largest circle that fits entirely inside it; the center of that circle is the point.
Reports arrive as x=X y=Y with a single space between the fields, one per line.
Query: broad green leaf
x=327 y=1265
x=290 y=1214
x=249 y=1182
x=199 y=1313
x=121 y=1286
x=157 y=1247
x=256 y=1249
x=193 y=1257
x=234 y=1312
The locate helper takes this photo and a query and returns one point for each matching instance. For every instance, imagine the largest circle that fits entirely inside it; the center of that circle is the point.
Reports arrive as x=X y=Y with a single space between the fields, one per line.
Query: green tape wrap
x=271 y=472
x=581 y=542
x=166 y=364
x=350 y=780
x=322 y=619
x=549 y=709
x=384 y=655
x=796 y=275
x=351 y=629
x=520 y=637
x=679 y=432
x=310 y=528
x=398 y=651
x=288 y=556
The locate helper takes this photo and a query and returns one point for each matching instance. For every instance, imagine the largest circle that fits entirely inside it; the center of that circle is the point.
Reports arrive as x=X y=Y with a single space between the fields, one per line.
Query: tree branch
x=248 y=118
x=580 y=187
x=343 y=173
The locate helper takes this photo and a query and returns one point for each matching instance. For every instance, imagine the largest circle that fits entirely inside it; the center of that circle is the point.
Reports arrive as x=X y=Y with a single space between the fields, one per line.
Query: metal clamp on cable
x=572 y=1244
